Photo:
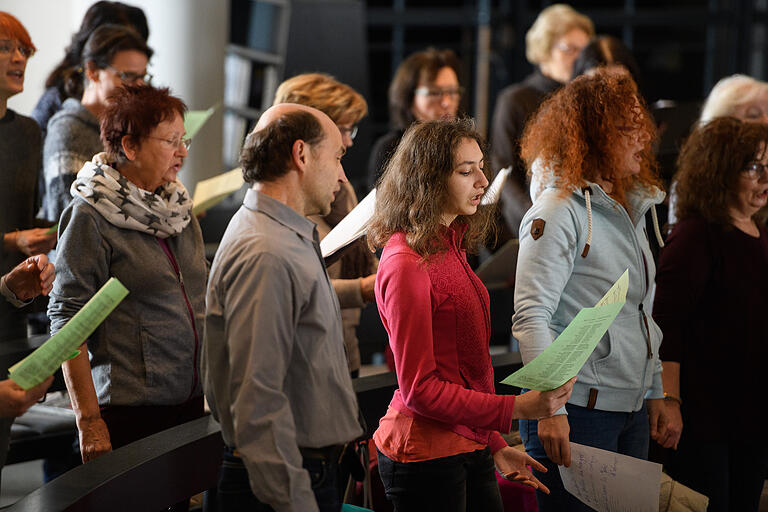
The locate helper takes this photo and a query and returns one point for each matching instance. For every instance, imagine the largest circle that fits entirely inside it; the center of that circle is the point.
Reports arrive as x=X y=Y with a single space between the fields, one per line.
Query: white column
x=189 y=37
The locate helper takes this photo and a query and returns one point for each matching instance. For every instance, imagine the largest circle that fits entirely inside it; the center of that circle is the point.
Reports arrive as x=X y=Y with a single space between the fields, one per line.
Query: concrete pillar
x=189 y=38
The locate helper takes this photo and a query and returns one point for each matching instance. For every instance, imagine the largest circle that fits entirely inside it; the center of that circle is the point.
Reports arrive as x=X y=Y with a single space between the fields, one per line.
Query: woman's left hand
x=513 y=465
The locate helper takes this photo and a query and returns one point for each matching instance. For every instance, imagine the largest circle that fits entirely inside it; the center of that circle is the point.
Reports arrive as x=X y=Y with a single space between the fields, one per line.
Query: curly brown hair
x=709 y=166
x=413 y=190
x=578 y=133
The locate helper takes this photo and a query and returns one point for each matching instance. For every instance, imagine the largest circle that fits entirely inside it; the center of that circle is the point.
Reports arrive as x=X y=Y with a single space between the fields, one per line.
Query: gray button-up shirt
x=274 y=367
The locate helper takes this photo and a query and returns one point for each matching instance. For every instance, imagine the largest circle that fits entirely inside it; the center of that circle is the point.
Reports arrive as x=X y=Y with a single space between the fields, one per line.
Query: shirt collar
x=280 y=212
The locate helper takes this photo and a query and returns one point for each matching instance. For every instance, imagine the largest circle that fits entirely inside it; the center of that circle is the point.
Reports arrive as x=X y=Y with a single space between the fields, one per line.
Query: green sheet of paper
x=195 y=119
x=46 y=359
x=566 y=355
x=52 y=229
x=210 y=192
x=618 y=292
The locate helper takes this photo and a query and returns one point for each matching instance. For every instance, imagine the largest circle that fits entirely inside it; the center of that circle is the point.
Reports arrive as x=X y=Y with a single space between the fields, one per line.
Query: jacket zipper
x=175 y=265
x=645 y=282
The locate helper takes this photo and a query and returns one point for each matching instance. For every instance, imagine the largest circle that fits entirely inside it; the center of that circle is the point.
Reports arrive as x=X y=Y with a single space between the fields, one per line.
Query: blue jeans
x=235 y=495
x=460 y=483
x=627 y=433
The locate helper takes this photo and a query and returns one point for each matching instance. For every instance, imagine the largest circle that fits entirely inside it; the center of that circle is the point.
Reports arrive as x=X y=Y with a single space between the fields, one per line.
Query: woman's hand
x=94 y=438
x=553 y=434
x=31 y=277
x=669 y=435
x=534 y=405
x=14 y=401
x=513 y=465
x=33 y=241
x=367 y=288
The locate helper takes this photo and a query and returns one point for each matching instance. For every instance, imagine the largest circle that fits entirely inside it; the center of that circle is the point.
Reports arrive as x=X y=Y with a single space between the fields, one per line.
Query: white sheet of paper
x=611 y=482
x=210 y=192
x=494 y=190
x=351 y=227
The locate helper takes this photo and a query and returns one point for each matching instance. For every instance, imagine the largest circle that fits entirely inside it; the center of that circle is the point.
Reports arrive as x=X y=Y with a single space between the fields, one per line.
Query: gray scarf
x=162 y=213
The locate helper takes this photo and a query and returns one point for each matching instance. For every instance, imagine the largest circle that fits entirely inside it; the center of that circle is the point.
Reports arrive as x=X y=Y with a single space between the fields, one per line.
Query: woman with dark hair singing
x=440 y=437
x=592 y=140
x=424 y=88
x=712 y=293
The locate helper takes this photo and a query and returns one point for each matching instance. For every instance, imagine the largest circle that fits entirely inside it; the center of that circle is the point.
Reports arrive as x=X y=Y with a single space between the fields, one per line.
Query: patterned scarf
x=162 y=213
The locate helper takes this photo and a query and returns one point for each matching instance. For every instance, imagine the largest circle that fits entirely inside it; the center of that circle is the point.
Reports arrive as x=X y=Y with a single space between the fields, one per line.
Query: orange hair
x=13 y=29
x=577 y=133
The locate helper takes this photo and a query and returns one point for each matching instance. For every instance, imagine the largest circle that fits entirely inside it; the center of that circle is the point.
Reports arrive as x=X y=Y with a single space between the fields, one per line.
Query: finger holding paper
x=536 y=404
x=15 y=400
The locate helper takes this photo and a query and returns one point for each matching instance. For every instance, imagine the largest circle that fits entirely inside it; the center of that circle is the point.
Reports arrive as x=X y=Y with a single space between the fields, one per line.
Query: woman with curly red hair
x=590 y=146
x=712 y=293
x=440 y=439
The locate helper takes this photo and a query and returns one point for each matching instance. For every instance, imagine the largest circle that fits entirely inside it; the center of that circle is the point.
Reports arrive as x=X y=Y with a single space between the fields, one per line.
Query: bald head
x=276 y=111
x=268 y=150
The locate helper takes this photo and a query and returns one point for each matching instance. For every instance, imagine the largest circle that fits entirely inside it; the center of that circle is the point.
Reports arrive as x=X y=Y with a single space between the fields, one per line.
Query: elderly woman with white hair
x=552 y=45
x=739 y=96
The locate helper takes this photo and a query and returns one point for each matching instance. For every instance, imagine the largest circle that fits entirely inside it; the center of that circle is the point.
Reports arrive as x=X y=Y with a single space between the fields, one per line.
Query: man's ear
x=300 y=154
x=130 y=148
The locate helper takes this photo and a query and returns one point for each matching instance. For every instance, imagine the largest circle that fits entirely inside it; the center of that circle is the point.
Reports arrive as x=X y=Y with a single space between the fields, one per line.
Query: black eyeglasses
x=755 y=170
x=129 y=77
x=436 y=93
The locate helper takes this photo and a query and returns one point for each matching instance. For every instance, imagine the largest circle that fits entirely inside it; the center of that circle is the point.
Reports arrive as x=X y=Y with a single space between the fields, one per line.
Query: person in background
x=582 y=232
x=63 y=82
x=137 y=374
x=273 y=361
x=711 y=295
x=353 y=275
x=440 y=438
x=112 y=56
x=20 y=150
x=425 y=88
x=606 y=51
x=739 y=96
x=552 y=44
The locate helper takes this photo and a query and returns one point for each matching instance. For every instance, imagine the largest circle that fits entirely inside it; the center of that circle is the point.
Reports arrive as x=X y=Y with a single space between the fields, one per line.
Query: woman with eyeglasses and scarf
x=130 y=218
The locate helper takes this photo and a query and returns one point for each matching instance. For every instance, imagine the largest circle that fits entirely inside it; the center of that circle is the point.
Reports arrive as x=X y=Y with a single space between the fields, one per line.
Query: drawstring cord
x=587 y=192
x=656 y=229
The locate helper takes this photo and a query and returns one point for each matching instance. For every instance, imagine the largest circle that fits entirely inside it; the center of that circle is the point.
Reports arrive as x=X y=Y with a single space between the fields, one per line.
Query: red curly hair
x=579 y=133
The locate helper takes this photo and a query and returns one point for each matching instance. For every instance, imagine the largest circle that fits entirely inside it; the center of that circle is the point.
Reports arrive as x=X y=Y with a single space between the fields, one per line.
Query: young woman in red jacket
x=439 y=441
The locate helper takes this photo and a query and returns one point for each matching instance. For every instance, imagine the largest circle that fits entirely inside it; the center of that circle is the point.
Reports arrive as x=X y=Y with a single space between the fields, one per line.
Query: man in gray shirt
x=273 y=359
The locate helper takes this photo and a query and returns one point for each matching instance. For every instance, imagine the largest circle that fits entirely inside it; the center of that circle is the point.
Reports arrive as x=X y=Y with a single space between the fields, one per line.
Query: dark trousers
x=621 y=432
x=731 y=474
x=460 y=483
x=127 y=424
x=235 y=494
